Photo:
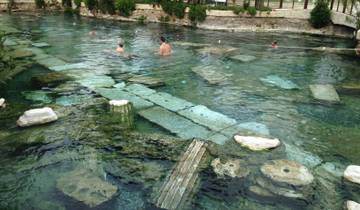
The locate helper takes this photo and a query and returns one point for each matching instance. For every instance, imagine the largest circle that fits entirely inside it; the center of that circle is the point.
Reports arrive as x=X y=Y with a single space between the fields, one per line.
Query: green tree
x=320 y=16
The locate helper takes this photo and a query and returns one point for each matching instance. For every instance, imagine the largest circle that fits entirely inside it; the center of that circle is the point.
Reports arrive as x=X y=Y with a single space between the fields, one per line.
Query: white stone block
x=257 y=143
x=352 y=205
x=352 y=174
x=2 y=103
x=37 y=117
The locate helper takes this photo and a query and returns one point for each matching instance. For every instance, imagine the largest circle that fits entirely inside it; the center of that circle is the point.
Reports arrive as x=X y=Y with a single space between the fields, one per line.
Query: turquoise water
x=323 y=137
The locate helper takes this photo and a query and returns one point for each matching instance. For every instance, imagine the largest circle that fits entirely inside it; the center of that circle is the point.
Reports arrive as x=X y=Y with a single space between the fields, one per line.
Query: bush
x=40 y=4
x=251 y=11
x=238 y=10
x=91 y=4
x=141 y=20
x=246 y=4
x=66 y=3
x=125 y=7
x=77 y=3
x=197 y=13
x=176 y=8
x=107 y=6
x=179 y=9
x=320 y=16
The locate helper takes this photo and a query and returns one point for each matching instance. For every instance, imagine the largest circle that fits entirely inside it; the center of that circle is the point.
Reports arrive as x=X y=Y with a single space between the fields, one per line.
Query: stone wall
x=280 y=20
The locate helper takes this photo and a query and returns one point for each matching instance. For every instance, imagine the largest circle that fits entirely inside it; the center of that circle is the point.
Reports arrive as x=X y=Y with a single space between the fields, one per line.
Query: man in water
x=120 y=49
x=165 y=48
x=274 y=44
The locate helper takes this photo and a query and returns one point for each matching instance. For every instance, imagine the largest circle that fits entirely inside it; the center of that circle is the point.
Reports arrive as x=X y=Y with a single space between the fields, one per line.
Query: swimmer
x=274 y=45
x=92 y=32
x=165 y=48
x=120 y=49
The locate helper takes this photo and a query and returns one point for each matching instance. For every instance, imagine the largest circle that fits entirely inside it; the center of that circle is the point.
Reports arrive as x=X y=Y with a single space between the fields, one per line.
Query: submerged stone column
x=358 y=43
x=123 y=112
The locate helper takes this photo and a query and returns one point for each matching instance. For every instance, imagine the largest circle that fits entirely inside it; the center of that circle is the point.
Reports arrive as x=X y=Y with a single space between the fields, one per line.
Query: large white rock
x=287 y=172
x=324 y=93
x=352 y=205
x=352 y=173
x=256 y=143
x=36 y=117
x=2 y=103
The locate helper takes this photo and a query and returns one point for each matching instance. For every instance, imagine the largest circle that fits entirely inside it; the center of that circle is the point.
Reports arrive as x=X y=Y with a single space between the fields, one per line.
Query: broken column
x=123 y=112
x=2 y=103
x=352 y=181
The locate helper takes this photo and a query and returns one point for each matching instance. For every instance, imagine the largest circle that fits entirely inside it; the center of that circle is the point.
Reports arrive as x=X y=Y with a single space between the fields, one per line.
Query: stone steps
x=182 y=178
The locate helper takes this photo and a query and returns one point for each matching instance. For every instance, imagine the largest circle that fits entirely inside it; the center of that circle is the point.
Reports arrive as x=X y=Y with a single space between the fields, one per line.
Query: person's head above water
x=162 y=39
x=274 y=42
x=121 y=45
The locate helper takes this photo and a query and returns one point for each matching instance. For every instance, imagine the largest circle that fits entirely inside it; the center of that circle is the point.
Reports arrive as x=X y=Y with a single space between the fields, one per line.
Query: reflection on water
x=323 y=137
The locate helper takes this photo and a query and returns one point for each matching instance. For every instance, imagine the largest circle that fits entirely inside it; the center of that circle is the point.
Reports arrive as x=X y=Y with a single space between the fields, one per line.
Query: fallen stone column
x=2 y=103
x=123 y=110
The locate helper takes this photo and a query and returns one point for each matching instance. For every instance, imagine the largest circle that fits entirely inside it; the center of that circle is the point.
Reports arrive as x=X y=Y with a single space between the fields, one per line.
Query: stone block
x=174 y=123
x=69 y=66
x=168 y=101
x=277 y=81
x=40 y=44
x=324 y=93
x=97 y=81
x=253 y=127
x=208 y=118
x=140 y=90
x=50 y=61
x=243 y=58
x=116 y=94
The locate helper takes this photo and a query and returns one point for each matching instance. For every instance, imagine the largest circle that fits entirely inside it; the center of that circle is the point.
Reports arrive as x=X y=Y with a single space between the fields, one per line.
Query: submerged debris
x=85 y=186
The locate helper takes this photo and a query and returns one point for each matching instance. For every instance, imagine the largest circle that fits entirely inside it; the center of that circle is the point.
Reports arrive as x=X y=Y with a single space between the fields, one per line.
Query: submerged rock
x=37 y=96
x=287 y=172
x=257 y=143
x=97 y=81
x=146 y=80
x=72 y=100
x=324 y=93
x=2 y=103
x=40 y=44
x=352 y=174
x=216 y=50
x=84 y=186
x=21 y=53
x=277 y=81
x=350 y=88
x=210 y=74
x=37 y=117
x=243 y=58
x=49 y=79
x=231 y=168
x=352 y=205
x=190 y=44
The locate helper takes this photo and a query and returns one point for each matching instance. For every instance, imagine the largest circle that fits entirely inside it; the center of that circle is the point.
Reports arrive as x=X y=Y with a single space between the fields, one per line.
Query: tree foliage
x=125 y=7
x=320 y=16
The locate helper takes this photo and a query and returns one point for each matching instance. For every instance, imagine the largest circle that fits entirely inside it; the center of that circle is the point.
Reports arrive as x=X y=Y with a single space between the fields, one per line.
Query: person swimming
x=120 y=49
x=92 y=33
x=165 y=48
x=274 y=44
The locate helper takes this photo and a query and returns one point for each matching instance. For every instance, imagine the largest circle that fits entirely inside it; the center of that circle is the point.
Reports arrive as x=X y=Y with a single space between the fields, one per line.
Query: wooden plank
x=182 y=178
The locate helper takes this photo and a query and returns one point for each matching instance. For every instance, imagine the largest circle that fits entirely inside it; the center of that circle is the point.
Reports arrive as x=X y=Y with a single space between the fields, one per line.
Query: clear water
x=325 y=138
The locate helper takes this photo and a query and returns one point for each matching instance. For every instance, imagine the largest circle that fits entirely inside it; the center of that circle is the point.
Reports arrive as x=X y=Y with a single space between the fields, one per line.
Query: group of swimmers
x=164 y=50
x=165 y=47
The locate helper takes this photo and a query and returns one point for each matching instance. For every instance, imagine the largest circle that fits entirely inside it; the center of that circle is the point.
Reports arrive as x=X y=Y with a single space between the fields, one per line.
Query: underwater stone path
x=180 y=117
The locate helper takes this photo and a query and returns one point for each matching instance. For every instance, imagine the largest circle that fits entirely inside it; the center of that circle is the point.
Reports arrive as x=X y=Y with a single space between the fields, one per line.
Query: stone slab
x=324 y=93
x=97 y=81
x=40 y=44
x=147 y=80
x=254 y=127
x=9 y=42
x=50 y=61
x=174 y=123
x=69 y=66
x=243 y=58
x=168 y=101
x=218 y=138
x=210 y=74
x=208 y=118
x=116 y=94
x=277 y=81
x=140 y=90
